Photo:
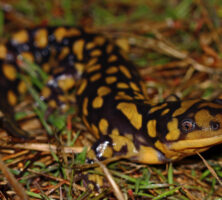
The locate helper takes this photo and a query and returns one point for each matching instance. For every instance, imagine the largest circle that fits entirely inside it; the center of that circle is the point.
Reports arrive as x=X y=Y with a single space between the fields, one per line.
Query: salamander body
x=110 y=94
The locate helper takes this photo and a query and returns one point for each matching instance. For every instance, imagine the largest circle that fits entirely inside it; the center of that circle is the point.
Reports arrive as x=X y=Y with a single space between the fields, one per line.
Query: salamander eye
x=214 y=125
x=187 y=125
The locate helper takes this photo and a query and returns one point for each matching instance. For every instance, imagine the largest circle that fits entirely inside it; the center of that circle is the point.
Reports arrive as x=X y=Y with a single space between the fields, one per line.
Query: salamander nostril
x=214 y=125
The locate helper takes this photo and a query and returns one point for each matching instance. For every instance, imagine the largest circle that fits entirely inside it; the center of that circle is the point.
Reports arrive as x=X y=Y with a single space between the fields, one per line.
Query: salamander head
x=194 y=127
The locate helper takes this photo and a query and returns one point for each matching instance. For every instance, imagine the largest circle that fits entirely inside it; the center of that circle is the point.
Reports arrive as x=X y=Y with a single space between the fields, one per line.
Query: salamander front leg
x=107 y=148
x=112 y=146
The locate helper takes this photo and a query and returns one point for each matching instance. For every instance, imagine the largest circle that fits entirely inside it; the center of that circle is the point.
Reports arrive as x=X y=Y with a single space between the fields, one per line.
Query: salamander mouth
x=176 y=150
x=200 y=143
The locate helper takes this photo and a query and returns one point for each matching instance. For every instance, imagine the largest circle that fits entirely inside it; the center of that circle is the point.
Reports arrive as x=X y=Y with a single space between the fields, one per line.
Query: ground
x=177 y=47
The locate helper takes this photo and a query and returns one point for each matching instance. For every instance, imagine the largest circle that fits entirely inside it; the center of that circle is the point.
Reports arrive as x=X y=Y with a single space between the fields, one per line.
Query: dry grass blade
x=168 y=49
x=19 y=190
x=191 y=197
x=210 y=168
x=116 y=189
x=44 y=147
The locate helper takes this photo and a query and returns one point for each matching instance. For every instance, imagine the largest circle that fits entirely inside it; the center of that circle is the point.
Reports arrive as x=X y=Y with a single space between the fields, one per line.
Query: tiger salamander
x=110 y=94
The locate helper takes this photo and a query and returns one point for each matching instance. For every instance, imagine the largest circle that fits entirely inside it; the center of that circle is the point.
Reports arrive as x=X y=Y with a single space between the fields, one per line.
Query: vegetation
x=177 y=47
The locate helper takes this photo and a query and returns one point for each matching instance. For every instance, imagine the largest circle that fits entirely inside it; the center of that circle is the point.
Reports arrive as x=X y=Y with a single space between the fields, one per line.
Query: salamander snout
x=198 y=127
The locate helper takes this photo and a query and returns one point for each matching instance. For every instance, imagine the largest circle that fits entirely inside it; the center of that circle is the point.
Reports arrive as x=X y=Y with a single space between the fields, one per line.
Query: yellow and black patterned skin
x=110 y=95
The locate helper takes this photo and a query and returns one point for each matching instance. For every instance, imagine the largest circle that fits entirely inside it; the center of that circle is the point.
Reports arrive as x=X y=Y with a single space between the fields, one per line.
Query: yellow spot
x=79 y=67
x=151 y=128
x=12 y=99
x=121 y=93
x=109 y=48
x=46 y=92
x=115 y=132
x=139 y=96
x=103 y=90
x=3 y=51
x=174 y=132
x=112 y=58
x=88 y=30
x=209 y=104
x=122 y=85
x=95 y=130
x=100 y=40
x=22 y=88
x=41 y=38
x=165 y=111
x=96 y=52
x=66 y=83
x=82 y=87
x=64 y=52
x=27 y=56
x=46 y=67
x=95 y=77
x=160 y=146
x=62 y=98
x=130 y=111
x=60 y=33
x=98 y=179
x=93 y=68
x=123 y=44
x=142 y=86
x=85 y=106
x=134 y=86
x=185 y=105
x=97 y=102
x=90 y=45
x=125 y=71
x=108 y=152
x=203 y=118
x=120 y=141
x=103 y=126
x=148 y=155
x=52 y=103
x=123 y=96
x=91 y=62
x=112 y=70
x=20 y=37
x=58 y=70
x=111 y=79
x=86 y=122
x=9 y=72
x=72 y=32
x=78 y=48
x=158 y=107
